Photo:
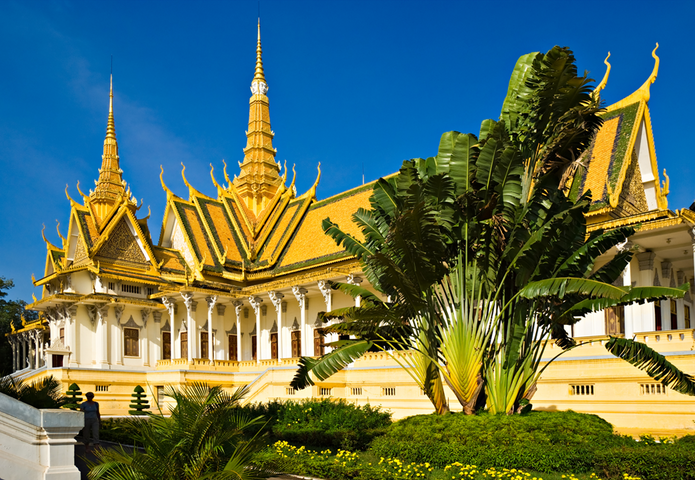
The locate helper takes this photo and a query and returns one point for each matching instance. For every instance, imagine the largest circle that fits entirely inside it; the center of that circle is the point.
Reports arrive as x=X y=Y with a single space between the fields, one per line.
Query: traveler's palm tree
x=482 y=254
x=204 y=437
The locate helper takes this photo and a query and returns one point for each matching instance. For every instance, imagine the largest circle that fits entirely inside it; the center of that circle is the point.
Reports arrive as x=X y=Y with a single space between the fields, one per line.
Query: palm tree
x=204 y=437
x=43 y=393
x=483 y=254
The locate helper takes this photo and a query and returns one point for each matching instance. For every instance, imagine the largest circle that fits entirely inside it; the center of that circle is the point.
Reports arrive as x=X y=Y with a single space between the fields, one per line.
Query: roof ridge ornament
x=191 y=191
x=603 y=82
x=214 y=182
x=652 y=78
x=170 y=194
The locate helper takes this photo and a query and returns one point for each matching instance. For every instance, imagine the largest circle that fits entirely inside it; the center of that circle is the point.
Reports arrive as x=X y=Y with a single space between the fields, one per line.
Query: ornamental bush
x=75 y=397
x=139 y=403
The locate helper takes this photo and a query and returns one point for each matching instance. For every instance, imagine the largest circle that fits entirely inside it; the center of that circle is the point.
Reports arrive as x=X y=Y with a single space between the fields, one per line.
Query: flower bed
x=345 y=465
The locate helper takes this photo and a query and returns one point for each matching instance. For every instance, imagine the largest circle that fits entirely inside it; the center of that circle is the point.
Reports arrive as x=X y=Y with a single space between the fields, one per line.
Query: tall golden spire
x=259 y=178
x=110 y=187
x=260 y=76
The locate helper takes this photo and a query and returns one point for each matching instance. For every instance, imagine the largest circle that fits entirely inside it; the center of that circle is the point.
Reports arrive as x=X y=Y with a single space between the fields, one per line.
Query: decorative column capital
x=255 y=302
x=276 y=298
x=353 y=279
x=168 y=302
x=238 y=304
x=188 y=301
x=118 y=311
x=145 y=313
x=666 y=270
x=325 y=288
x=646 y=260
x=157 y=316
x=300 y=294
x=625 y=246
x=211 y=301
x=92 y=313
x=70 y=312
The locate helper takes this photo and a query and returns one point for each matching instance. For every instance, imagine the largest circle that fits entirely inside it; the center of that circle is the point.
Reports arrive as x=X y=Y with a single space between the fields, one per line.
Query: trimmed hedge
x=650 y=462
x=540 y=441
x=322 y=423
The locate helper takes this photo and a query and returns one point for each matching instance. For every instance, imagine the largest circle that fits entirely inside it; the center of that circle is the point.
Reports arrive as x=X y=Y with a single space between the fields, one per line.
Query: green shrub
x=687 y=440
x=118 y=430
x=650 y=462
x=326 y=423
x=540 y=441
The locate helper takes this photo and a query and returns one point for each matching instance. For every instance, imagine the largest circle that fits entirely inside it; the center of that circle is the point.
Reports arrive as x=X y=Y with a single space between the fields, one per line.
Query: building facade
x=231 y=292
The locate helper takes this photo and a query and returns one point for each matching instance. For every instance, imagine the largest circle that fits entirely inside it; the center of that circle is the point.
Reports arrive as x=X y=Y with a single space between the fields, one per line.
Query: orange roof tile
x=172 y=259
x=310 y=242
x=221 y=228
x=601 y=156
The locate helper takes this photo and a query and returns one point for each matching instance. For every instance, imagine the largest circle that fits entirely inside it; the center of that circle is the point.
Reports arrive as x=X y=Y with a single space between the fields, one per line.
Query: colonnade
x=28 y=349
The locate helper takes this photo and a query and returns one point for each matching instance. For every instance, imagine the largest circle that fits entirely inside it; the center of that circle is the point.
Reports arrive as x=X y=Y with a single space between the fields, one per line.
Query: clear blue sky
x=351 y=84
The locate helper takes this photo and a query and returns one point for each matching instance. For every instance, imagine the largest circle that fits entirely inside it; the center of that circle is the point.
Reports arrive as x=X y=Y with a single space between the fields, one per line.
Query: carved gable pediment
x=122 y=245
x=166 y=327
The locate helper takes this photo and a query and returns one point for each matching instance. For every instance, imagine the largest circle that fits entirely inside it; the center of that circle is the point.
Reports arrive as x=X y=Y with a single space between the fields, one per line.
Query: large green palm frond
x=344 y=353
x=652 y=363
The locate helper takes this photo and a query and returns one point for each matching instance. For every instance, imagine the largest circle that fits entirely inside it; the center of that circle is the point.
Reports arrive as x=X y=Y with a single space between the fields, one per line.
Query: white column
x=221 y=307
x=13 y=343
x=117 y=337
x=145 y=340
x=355 y=280
x=276 y=298
x=102 y=315
x=647 y=321
x=300 y=295
x=211 y=301
x=37 y=341
x=191 y=328
x=238 y=304
x=327 y=293
x=255 y=303
x=157 y=345
x=71 y=320
x=173 y=334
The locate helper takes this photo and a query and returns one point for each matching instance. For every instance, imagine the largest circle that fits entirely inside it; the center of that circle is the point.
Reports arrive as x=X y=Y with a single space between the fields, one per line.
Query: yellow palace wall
x=613 y=389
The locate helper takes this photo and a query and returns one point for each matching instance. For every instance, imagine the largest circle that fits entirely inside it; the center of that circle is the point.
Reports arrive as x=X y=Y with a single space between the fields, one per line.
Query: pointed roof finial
x=111 y=125
x=259 y=75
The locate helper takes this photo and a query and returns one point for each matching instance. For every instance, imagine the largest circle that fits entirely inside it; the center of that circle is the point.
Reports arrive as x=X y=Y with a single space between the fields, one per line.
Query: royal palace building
x=231 y=291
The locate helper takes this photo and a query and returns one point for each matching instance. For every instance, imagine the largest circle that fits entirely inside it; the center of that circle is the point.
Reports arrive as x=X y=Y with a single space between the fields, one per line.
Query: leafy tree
x=482 y=254
x=203 y=437
x=11 y=312
x=43 y=393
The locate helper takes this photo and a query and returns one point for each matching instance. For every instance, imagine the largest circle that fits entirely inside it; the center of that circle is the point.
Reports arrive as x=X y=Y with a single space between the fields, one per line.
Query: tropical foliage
x=481 y=253
x=11 y=313
x=43 y=393
x=203 y=437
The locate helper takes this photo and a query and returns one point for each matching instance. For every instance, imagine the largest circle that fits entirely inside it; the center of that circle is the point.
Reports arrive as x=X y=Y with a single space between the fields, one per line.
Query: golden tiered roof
x=257 y=234
x=621 y=170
